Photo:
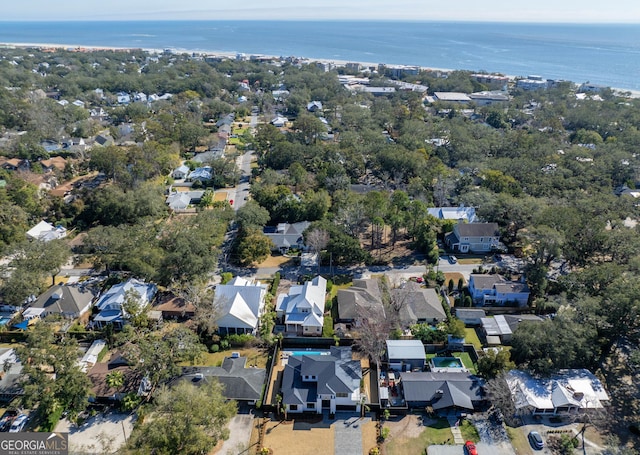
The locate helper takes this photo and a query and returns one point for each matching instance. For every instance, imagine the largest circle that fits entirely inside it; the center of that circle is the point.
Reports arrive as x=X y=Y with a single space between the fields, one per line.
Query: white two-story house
x=302 y=309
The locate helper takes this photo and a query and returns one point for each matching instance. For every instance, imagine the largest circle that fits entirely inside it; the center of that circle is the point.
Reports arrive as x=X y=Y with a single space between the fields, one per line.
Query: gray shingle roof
x=335 y=373
x=442 y=389
x=478 y=229
x=363 y=295
x=240 y=383
x=418 y=303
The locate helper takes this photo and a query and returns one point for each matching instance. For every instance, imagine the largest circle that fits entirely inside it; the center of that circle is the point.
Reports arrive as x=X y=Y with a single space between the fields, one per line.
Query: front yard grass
x=436 y=432
x=519 y=441
x=469 y=431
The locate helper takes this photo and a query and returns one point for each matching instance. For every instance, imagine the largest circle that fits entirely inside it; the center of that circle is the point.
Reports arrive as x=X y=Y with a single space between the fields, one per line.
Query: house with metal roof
x=467 y=214
x=496 y=329
x=111 y=302
x=46 y=232
x=405 y=355
x=319 y=381
x=240 y=303
x=566 y=392
x=302 y=309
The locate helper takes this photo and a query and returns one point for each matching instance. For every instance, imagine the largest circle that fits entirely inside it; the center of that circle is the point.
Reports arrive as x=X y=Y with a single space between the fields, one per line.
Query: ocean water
x=606 y=54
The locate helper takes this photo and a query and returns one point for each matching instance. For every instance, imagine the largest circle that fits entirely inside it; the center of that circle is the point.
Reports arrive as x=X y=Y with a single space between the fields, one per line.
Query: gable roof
x=285 y=235
x=115 y=296
x=239 y=302
x=577 y=387
x=65 y=300
x=364 y=294
x=240 y=382
x=335 y=373
x=484 y=281
x=453 y=213
x=478 y=229
x=46 y=231
x=442 y=390
x=304 y=304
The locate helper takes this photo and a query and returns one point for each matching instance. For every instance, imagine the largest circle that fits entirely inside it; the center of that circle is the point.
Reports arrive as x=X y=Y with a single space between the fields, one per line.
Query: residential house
x=361 y=301
x=240 y=303
x=46 y=232
x=285 y=235
x=497 y=290
x=279 y=121
x=181 y=200
x=315 y=382
x=54 y=163
x=442 y=392
x=174 y=307
x=314 y=106
x=302 y=309
x=110 y=304
x=567 y=392
x=102 y=391
x=474 y=237
x=466 y=214
x=533 y=83
x=200 y=174
x=405 y=355
x=104 y=140
x=14 y=164
x=496 y=330
x=209 y=155
x=69 y=301
x=123 y=98
x=470 y=316
x=417 y=305
x=240 y=382
x=90 y=358
x=181 y=173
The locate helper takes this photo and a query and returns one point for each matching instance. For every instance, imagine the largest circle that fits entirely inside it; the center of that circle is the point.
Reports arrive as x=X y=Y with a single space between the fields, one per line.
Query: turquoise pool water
x=298 y=353
x=447 y=362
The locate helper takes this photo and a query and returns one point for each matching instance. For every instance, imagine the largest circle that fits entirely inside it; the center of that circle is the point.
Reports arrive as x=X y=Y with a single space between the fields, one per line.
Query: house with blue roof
x=111 y=302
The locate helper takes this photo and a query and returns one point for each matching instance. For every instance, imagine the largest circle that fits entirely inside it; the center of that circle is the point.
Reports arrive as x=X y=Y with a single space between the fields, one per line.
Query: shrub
x=225 y=277
x=214 y=348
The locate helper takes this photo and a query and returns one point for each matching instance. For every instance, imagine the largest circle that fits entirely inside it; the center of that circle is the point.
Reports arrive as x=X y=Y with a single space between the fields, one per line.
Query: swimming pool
x=446 y=362
x=299 y=353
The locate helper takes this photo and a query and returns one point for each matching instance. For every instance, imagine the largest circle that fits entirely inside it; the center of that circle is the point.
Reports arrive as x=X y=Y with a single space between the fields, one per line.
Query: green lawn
x=466 y=361
x=471 y=336
x=254 y=356
x=436 y=433
x=469 y=432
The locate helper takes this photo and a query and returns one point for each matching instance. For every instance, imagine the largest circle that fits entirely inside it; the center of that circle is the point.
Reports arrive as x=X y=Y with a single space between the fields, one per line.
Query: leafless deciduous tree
x=206 y=311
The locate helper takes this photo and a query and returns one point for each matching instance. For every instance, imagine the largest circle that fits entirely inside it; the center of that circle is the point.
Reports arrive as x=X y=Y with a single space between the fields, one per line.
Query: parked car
x=7 y=419
x=19 y=423
x=536 y=440
x=453 y=259
x=470 y=448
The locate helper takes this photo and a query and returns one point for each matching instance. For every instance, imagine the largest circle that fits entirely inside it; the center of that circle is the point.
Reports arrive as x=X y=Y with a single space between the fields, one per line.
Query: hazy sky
x=627 y=11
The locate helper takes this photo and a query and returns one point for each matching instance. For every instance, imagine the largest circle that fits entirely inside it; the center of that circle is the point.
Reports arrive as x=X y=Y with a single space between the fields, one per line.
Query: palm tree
x=115 y=379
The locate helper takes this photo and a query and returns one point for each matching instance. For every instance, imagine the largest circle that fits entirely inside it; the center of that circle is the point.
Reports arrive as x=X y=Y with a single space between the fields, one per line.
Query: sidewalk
x=455 y=430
